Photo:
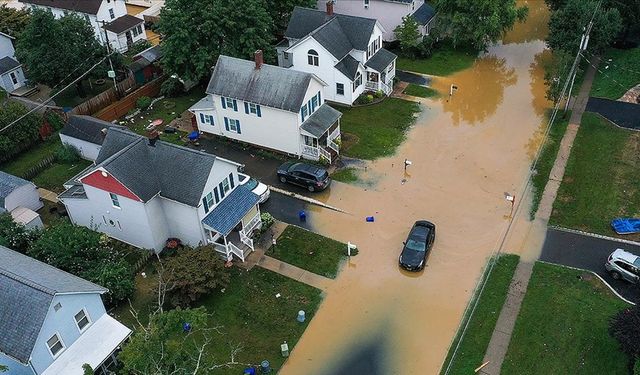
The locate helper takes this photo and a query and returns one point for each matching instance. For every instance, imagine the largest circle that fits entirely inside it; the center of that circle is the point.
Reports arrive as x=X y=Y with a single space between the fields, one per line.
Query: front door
x=14 y=80
x=129 y=38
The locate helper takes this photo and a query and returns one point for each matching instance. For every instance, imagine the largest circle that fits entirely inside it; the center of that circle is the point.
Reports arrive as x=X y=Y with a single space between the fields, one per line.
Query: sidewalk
x=497 y=349
x=48 y=195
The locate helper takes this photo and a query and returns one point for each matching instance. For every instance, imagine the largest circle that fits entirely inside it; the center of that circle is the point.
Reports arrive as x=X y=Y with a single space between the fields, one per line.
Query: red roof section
x=98 y=180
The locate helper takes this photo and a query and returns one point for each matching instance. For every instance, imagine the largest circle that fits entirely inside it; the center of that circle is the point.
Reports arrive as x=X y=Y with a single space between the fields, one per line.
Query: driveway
x=286 y=209
x=414 y=78
x=590 y=253
x=623 y=114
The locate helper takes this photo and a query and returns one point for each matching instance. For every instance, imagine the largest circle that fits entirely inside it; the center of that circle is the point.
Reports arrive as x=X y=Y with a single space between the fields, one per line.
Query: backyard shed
x=86 y=134
x=16 y=192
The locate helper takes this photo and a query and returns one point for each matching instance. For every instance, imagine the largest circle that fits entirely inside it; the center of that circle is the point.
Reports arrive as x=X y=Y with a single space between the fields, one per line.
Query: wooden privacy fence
x=105 y=98
x=123 y=106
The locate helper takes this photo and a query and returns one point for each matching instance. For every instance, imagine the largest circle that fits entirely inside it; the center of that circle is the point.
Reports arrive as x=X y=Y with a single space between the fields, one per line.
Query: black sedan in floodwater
x=417 y=246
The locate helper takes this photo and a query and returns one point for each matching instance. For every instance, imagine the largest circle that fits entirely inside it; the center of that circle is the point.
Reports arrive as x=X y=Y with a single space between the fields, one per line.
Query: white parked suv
x=623 y=265
x=257 y=187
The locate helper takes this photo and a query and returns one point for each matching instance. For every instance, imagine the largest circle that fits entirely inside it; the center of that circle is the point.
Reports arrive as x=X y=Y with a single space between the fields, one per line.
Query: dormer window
x=312 y=57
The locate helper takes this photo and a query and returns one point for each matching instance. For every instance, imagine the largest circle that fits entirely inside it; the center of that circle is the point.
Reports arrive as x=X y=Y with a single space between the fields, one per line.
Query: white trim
x=46 y=342
x=89 y=321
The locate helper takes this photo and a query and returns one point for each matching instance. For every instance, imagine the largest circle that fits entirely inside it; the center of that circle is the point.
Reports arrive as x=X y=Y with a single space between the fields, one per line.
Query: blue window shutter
x=238 y=126
x=233 y=184
x=226 y=123
x=215 y=193
x=202 y=118
x=235 y=105
x=246 y=107
x=224 y=104
x=206 y=205
x=259 y=113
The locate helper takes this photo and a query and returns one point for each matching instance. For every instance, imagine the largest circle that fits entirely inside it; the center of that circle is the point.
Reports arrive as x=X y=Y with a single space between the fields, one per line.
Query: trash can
x=265 y=367
x=302 y=215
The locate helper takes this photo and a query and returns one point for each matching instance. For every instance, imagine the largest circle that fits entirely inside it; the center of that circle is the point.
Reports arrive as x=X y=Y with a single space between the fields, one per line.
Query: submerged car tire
x=615 y=275
x=311 y=188
x=283 y=179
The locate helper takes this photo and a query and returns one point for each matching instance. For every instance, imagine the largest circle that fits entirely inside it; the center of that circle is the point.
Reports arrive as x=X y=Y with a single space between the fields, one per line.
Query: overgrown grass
x=600 y=181
x=310 y=251
x=248 y=312
x=57 y=174
x=562 y=326
x=421 y=91
x=445 y=61
x=377 y=130
x=546 y=160
x=346 y=175
x=20 y=164
x=481 y=325
x=619 y=75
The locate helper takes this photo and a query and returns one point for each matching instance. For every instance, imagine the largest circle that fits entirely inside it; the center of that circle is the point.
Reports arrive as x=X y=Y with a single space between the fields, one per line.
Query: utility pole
x=112 y=73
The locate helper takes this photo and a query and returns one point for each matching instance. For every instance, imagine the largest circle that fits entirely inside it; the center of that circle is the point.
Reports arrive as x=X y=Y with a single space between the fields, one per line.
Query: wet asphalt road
x=580 y=251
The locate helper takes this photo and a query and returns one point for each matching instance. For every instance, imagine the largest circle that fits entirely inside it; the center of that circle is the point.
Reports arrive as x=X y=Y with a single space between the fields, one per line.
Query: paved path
x=294 y=272
x=499 y=343
x=590 y=253
x=48 y=195
x=626 y=115
x=414 y=78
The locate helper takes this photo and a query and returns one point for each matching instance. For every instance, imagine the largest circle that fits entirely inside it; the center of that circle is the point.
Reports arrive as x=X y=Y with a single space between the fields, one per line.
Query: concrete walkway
x=497 y=349
x=48 y=195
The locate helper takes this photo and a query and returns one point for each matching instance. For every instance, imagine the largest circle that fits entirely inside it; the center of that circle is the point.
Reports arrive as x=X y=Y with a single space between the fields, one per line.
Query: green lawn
x=481 y=325
x=248 y=312
x=421 y=91
x=600 y=182
x=445 y=61
x=310 y=251
x=374 y=131
x=20 y=164
x=562 y=326
x=622 y=73
x=346 y=175
x=546 y=160
x=57 y=174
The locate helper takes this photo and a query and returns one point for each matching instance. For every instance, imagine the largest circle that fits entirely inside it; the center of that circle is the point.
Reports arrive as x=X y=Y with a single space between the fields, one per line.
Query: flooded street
x=467 y=151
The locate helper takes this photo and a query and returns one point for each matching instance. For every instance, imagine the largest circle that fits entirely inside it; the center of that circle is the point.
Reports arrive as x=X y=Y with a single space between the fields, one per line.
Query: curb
x=595 y=235
x=306 y=199
x=596 y=275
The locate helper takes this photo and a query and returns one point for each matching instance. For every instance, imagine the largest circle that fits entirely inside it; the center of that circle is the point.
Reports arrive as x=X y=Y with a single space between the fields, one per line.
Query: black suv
x=416 y=247
x=306 y=175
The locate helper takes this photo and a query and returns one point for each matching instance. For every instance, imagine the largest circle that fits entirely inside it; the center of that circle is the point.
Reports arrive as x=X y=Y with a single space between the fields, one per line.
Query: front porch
x=320 y=135
x=381 y=69
x=230 y=225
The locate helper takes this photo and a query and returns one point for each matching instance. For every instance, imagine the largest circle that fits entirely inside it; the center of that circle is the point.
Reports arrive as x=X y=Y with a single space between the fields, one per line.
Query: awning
x=225 y=216
x=321 y=120
x=381 y=60
x=94 y=346
x=203 y=104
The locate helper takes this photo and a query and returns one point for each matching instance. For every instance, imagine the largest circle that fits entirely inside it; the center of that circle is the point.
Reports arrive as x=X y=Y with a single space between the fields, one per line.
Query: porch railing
x=310 y=151
x=251 y=225
x=236 y=251
x=335 y=133
x=325 y=154
x=218 y=247
x=334 y=146
x=246 y=240
x=373 y=86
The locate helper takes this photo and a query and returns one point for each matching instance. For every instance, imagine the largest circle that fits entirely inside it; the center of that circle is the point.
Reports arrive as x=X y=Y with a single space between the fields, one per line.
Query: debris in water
x=370 y=219
x=278 y=295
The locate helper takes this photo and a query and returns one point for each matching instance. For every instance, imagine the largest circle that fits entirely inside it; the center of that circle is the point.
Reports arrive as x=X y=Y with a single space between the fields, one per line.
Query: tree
x=114 y=275
x=280 y=12
x=478 y=22
x=231 y=27
x=630 y=12
x=568 y=23
x=625 y=327
x=556 y=72
x=194 y=273
x=15 y=236
x=21 y=134
x=408 y=35
x=13 y=21
x=87 y=370
x=53 y=50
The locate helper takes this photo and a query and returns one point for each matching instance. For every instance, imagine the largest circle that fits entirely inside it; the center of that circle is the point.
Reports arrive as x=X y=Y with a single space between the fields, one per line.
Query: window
x=111 y=13
x=14 y=78
x=234 y=126
x=114 y=200
x=357 y=82
x=366 y=3
x=229 y=103
x=208 y=202
x=312 y=57
x=135 y=32
x=139 y=29
x=55 y=345
x=304 y=111
x=225 y=185
x=253 y=108
x=206 y=119
x=314 y=103
x=82 y=320
x=340 y=88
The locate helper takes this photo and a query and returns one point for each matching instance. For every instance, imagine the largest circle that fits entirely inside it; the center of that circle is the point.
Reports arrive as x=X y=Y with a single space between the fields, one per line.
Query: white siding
x=119 y=41
x=88 y=150
x=183 y=222
x=25 y=196
x=6 y=47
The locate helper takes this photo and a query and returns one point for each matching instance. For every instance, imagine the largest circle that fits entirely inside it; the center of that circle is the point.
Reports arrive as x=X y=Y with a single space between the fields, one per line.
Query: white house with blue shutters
x=52 y=322
x=270 y=107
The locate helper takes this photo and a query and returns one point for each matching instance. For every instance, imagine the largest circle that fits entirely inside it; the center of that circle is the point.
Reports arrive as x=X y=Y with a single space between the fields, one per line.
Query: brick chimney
x=258 y=58
x=153 y=136
x=330 y=8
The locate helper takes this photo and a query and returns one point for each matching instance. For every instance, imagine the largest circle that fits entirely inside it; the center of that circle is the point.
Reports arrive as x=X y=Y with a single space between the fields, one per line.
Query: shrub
x=22 y=134
x=426 y=47
x=14 y=235
x=369 y=98
x=267 y=221
x=625 y=327
x=143 y=102
x=67 y=154
x=171 y=88
x=138 y=47
x=55 y=120
x=115 y=276
x=379 y=94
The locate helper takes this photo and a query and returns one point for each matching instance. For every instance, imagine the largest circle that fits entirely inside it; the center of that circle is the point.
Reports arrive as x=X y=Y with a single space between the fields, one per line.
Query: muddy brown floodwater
x=467 y=151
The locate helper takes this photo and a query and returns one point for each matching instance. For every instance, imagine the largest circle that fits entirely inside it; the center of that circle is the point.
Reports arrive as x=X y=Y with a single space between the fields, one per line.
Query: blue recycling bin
x=302 y=215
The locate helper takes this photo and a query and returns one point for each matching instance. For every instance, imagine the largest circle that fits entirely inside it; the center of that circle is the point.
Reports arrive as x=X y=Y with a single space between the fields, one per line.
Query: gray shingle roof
x=424 y=14
x=348 y=66
x=84 y=6
x=271 y=86
x=348 y=32
x=8 y=183
x=151 y=54
x=175 y=172
x=87 y=128
x=321 y=120
x=225 y=216
x=123 y=23
x=27 y=287
x=7 y=64
x=381 y=60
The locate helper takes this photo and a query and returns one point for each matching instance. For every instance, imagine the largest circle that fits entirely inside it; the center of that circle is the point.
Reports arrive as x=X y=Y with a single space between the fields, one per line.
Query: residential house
x=86 y=134
x=389 y=13
x=52 y=322
x=20 y=198
x=11 y=74
x=271 y=107
x=343 y=51
x=108 y=18
x=143 y=192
